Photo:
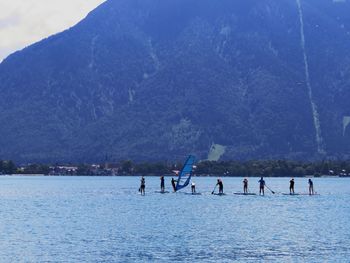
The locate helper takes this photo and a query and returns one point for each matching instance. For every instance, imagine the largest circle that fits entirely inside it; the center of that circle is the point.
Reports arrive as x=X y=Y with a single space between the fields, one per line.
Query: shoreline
x=167 y=175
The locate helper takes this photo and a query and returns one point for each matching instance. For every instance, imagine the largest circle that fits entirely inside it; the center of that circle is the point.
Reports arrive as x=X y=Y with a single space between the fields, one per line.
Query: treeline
x=7 y=167
x=268 y=168
x=273 y=168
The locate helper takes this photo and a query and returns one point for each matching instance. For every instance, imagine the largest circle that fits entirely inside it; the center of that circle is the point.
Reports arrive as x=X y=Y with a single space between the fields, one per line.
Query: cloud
x=24 y=22
x=9 y=21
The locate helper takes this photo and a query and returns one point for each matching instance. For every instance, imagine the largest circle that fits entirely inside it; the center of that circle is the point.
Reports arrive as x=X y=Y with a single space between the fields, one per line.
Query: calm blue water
x=91 y=219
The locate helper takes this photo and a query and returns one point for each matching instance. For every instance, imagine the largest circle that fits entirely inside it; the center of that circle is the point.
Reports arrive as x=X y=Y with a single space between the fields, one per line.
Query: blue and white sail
x=185 y=174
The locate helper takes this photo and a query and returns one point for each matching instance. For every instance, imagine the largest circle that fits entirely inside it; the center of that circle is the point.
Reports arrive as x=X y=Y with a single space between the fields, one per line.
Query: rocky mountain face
x=158 y=79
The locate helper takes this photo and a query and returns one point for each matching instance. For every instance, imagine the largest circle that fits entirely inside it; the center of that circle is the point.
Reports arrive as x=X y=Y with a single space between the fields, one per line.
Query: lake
x=104 y=219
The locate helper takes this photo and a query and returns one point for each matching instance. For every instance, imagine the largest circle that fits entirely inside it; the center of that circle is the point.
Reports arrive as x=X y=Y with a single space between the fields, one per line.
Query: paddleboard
x=218 y=194
x=162 y=192
x=298 y=194
x=244 y=194
x=193 y=194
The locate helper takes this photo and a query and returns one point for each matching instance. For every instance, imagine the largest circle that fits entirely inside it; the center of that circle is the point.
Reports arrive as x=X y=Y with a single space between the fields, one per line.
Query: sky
x=24 y=22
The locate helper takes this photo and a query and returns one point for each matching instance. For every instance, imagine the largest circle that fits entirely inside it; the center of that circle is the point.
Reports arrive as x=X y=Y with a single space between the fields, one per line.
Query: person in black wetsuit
x=245 y=185
x=221 y=186
x=173 y=183
x=262 y=186
x=162 y=184
x=311 y=187
x=291 y=186
x=143 y=186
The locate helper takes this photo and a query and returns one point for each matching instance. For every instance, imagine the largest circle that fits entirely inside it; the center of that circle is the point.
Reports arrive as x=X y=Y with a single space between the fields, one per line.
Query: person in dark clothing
x=143 y=186
x=173 y=183
x=262 y=186
x=193 y=188
x=245 y=185
x=162 y=184
x=221 y=186
x=291 y=186
x=311 y=187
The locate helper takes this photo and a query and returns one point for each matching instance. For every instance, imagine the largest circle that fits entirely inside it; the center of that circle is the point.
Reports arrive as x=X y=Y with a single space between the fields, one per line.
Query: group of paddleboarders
x=162 y=185
x=261 y=182
x=262 y=185
x=220 y=184
x=292 y=183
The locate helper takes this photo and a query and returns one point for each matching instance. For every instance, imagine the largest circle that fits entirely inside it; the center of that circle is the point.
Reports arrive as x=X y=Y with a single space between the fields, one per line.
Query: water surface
x=104 y=219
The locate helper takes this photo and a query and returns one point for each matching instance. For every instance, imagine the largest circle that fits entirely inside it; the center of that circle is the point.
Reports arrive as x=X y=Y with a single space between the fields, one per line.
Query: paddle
x=270 y=189
x=214 y=189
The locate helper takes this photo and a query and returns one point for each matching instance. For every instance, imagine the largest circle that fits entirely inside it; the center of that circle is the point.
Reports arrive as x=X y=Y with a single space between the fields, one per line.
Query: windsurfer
x=173 y=183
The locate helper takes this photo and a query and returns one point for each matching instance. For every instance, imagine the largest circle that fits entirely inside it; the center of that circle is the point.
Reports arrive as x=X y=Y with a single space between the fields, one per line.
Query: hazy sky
x=23 y=22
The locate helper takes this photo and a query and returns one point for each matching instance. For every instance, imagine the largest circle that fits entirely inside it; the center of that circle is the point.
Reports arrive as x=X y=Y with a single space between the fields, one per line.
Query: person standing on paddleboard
x=221 y=186
x=311 y=187
x=262 y=186
x=291 y=186
x=193 y=188
x=143 y=185
x=173 y=183
x=162 y=184
x=245 y=185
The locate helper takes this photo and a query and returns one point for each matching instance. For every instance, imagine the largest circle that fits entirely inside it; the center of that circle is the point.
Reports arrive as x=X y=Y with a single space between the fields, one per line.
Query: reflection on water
x=91 y=219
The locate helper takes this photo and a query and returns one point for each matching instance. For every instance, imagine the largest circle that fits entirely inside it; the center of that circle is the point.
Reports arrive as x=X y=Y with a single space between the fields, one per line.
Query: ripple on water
x=91 y=219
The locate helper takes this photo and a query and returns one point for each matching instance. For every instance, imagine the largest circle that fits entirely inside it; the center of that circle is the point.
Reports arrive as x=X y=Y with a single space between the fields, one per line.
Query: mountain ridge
x=154 y=79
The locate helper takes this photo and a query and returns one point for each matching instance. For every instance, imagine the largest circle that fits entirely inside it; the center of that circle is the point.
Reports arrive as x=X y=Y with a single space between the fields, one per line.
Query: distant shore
x=253 y=168
x=169 y=176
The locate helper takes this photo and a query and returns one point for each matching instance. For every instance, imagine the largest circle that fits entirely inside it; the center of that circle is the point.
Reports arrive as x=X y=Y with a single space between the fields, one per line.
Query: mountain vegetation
x=266 y=168
x=158 y=79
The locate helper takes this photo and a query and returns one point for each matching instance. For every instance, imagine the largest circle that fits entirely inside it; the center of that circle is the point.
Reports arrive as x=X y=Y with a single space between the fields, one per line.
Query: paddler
x=262 y=186
x=245 y=185
x=291 y=186
x=221 y=186
x=162 y=184
x=143 y=185
x=193 y=188
x=311 y=187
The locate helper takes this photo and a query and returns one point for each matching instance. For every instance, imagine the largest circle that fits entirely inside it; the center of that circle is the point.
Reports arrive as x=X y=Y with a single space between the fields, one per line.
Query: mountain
x=158 y=79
